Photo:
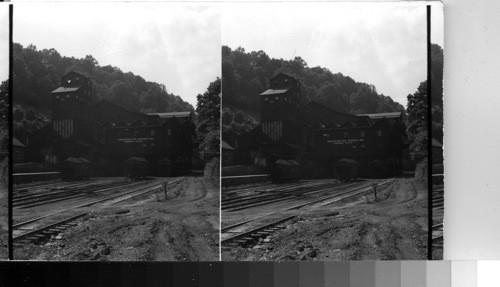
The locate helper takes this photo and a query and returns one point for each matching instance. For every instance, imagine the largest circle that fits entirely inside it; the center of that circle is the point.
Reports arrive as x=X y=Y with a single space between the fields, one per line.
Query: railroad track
x=438 y=198
x=40 y=198
x=56 y=225
x=264 y=196
x=251 y=231
x=437 y=207
x=33 y=189
x=437 y=235
x=248 y=191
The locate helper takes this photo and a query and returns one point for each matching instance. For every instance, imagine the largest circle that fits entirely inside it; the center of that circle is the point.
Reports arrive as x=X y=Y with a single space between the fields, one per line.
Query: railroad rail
x=276 y=194
x=55 y=226
x=60 y=194
x=237 y=234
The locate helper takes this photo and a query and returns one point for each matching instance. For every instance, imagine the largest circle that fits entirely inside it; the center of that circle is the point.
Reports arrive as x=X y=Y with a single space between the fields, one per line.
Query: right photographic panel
x=332 y=117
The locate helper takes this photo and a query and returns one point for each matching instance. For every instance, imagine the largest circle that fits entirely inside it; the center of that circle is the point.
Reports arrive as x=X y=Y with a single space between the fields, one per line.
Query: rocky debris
x=122 y=211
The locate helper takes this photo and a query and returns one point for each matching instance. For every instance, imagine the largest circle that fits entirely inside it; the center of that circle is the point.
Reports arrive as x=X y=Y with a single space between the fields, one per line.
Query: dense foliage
x=208 y=128
x=416 y=126
x=437 y=92
x=38 y=72
x=236 y=123
x=4 y=111
x=245 y=76
x=208 y=121
x=4 y=132
x=417 y=109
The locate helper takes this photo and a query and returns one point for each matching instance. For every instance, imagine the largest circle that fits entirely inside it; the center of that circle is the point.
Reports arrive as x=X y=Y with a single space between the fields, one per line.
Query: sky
x=383 y=44
x=4 y=42
x=176 y=44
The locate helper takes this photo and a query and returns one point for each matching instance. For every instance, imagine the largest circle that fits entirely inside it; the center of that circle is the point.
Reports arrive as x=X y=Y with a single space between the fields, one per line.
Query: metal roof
x=435 y=143
x=383 y=115
x=225 y=145
x=273 y=92
x=64 y=90
x=171 y=115
x=16 y=142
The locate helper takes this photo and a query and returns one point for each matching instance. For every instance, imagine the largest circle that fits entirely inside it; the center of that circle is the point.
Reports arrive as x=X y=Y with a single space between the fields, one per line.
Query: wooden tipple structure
x=108 y=135
x=289 y=131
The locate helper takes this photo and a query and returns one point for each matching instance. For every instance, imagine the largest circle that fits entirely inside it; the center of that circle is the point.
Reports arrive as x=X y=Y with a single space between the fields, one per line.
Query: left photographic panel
x=116 y=111
x=4 y=130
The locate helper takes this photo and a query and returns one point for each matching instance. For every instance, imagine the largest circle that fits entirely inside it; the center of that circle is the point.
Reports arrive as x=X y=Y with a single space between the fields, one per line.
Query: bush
x=212 y=169
x=421 y=171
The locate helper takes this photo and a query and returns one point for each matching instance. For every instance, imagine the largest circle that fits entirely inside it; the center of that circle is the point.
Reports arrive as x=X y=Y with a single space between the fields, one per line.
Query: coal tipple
x=321 y=140
x=108 y=136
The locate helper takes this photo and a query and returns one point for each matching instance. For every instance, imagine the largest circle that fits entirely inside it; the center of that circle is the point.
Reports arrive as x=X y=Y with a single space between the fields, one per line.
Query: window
x=266 y=99
x=152 y=133
x=345 y=135
x=169 y=132
x=362 y=134
x=379 y=133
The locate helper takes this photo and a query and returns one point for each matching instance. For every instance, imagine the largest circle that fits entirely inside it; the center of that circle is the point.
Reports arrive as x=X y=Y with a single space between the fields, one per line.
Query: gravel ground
x=4 y=229
x=184 y=225
x=393 y=227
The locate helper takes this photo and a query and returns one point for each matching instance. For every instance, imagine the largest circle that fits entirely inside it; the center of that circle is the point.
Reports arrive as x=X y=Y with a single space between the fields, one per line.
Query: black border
x=9 y=192
x=429 y=134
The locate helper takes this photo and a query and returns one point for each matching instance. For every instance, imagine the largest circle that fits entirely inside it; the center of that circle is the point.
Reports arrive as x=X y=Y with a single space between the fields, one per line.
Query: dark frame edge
x=429 y=135
x=10 y=117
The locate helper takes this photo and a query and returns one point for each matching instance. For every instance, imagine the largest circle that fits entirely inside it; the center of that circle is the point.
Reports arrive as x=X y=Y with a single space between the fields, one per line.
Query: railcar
x=76 y=168
x=136 y=168
x=165 y=167
x=346 y=169
x=285 y=171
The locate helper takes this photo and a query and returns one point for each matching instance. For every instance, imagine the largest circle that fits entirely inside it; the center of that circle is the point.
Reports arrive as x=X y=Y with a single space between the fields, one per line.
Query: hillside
x=246 y=74
x=38 y=72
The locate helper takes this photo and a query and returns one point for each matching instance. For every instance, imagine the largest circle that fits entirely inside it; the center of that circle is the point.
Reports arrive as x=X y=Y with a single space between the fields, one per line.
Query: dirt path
x=182 y=226
x=392 y=228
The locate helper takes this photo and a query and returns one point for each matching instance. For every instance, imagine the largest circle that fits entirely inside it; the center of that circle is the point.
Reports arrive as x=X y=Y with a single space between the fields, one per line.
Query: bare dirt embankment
x=393 y=227
x=184 y=225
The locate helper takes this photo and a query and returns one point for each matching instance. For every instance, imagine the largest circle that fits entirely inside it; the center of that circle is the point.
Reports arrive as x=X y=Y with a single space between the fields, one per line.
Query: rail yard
x=437 y=221
x=325 y=220
x=115 y=218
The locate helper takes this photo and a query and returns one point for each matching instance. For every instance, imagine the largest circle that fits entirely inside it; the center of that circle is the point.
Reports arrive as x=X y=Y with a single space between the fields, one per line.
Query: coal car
x=136 y=168
x=285 y=171
x=346 y=169
x=75 y=168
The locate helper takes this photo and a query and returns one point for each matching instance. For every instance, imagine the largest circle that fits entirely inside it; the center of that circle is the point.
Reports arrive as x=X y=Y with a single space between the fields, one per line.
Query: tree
x=208 y=121
x=246 y=74
x=4 y=107
x=416 y=126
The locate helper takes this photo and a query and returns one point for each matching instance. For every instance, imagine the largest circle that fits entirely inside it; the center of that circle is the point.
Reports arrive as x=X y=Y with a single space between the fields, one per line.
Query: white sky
x=4 y=41
x=383 y=44
x=177 y=44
